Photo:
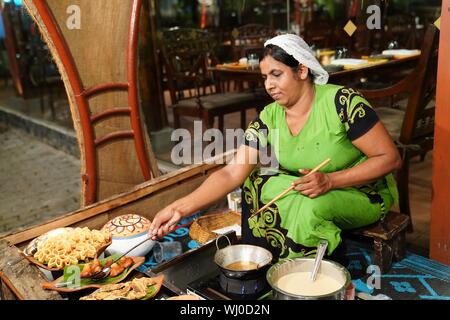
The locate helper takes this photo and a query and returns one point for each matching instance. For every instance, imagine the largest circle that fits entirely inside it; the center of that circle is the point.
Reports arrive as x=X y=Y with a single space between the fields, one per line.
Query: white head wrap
x=299 y=49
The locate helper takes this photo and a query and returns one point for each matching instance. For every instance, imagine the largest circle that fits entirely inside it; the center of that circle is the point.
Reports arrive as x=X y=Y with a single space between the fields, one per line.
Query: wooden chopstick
x=320 y=166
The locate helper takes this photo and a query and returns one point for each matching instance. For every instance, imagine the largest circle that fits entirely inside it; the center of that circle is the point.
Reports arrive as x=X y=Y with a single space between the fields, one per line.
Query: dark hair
x=282 y=56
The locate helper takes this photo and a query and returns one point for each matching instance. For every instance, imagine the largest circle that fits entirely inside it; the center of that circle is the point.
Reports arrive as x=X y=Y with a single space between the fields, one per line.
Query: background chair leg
x=243 y=119
x=220 y=123
x=422 y=156
x=403 y=189
x=51 y=103
x=42 y=99
x=208 y=120
x=176 y=119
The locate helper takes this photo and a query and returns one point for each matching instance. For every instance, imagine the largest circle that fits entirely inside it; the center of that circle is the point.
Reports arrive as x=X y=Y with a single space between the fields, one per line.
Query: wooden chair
x=412 y=129
x=319 y=32
x=44 y=75
x=4 y=65
x=29 y=59
x=99 y=70
x=402 y=29
x=363 y=41
x=249 y=38
x=186 y=55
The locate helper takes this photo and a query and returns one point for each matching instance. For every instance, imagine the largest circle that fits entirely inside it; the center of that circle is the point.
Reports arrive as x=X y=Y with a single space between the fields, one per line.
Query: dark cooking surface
x=209 y=287
x=188 y=267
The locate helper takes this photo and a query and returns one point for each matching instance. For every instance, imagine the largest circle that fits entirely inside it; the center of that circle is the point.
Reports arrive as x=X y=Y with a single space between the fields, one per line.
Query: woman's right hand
x=164 y=222
x=229 y=178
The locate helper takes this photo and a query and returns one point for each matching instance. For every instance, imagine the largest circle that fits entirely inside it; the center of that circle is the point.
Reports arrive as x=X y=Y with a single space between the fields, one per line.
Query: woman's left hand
x=313 y=185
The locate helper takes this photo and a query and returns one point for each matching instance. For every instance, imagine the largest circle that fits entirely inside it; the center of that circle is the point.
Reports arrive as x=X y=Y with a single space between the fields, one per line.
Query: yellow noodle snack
x=71 y=247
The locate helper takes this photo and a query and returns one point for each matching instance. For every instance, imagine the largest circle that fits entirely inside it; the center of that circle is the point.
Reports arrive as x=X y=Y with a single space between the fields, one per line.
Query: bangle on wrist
x=330 y=181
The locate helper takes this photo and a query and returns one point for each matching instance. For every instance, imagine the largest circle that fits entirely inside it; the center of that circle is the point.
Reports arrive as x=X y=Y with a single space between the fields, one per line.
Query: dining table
x=344 y=75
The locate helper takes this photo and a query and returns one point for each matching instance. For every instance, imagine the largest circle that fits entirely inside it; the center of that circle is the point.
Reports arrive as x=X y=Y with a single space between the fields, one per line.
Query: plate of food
x=63 y=247
x=136 y=289
x=350 y=63
x=78 y=277
x=184 y=297
x=233 y=65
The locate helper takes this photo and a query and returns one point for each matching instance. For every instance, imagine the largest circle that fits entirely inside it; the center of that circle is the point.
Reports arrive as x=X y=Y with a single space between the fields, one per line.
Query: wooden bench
x=388 y=238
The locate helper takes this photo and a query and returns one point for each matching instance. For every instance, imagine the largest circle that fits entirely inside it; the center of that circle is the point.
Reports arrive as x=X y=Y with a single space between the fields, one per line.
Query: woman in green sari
x=308 y=122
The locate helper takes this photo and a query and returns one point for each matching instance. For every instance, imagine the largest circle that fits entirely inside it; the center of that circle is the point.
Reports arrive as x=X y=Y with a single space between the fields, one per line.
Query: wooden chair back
x=319 y=32
x=186 y=54
x=401 y=28
x=15 y=42
x=98 y=64
x=420 y=85
x=417 y=127
x=419 y=118
x=249 y=38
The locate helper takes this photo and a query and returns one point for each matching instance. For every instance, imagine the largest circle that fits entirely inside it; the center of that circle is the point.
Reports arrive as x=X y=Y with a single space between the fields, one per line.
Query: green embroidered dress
x=294 y=224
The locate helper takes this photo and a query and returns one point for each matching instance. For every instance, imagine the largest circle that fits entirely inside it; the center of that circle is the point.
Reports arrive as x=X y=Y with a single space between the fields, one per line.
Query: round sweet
x=127 y=225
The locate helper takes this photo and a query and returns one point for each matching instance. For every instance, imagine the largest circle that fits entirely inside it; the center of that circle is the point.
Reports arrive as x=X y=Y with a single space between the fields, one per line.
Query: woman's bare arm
x=383 y=158
x=214 y=188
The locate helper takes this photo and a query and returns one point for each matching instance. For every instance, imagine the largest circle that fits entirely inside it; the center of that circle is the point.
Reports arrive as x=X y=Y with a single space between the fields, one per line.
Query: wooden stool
x=388 y=237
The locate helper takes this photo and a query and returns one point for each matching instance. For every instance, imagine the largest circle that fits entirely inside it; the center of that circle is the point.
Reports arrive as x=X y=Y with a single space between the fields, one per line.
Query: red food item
x=87 y=271
x=109 y=262
x=126 y=262
x=116 y=269
x=93 y=267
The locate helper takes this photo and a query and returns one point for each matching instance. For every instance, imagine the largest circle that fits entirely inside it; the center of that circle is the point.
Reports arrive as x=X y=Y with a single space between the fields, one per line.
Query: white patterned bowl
x=127 y=231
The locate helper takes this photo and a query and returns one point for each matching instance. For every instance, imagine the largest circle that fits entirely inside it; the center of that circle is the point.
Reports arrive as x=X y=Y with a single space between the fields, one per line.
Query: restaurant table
x=233 y=72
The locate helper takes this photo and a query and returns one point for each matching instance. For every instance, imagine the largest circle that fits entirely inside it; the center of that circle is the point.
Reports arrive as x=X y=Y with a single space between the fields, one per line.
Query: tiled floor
x=420 y=181
x=37 y=182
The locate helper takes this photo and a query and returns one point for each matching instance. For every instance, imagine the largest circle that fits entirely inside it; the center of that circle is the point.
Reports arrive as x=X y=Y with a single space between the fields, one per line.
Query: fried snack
x=91 y=268
x=109 y=292
x=126 y=262
x=131 y=290
x=72 y=247
x=109 y=261
x=118 y=267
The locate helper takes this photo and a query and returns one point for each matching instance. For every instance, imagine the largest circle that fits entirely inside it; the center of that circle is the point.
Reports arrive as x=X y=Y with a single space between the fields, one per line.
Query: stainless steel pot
x=242 y=253
x=328 y=267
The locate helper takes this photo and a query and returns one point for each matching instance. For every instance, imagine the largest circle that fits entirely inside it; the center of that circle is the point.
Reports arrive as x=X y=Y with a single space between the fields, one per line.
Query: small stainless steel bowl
x=243 y=253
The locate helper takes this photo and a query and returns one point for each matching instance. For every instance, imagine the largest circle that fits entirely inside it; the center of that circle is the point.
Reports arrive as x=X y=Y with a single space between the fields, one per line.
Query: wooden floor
x=420 y=201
